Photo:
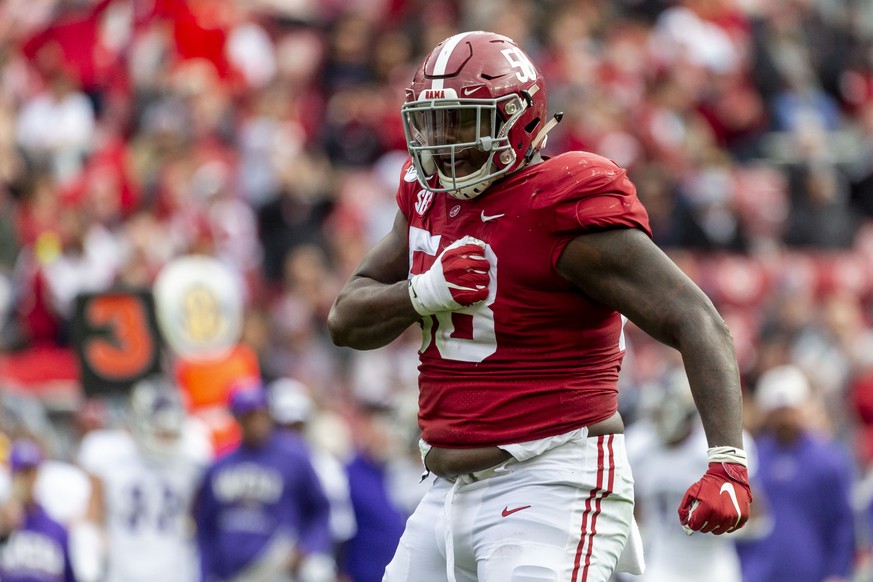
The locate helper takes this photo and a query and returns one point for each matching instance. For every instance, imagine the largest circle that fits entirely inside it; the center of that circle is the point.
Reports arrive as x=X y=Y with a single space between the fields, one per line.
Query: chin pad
x=428 y=166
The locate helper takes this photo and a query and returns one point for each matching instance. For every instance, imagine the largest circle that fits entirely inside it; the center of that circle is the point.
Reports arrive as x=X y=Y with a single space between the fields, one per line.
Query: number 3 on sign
x=129 y=348
x=484 y=340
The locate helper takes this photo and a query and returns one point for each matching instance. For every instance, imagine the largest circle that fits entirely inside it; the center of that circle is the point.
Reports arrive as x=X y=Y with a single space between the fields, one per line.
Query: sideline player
x=293 y=410
x=520 y=271
x=37 y=548
x=667 y=449
x=261 y=512
x=143 y=483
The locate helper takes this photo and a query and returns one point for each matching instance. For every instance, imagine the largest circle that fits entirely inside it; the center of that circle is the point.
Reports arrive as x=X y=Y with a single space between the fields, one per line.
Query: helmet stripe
x=442 y=61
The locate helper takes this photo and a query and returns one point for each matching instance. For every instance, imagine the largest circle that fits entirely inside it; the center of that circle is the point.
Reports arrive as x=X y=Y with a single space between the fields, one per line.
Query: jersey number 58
x=441 y=327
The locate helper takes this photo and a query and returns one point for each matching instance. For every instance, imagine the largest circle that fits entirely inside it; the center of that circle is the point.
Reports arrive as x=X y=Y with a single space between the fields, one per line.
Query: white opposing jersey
x=146 y=506
x=662 y=474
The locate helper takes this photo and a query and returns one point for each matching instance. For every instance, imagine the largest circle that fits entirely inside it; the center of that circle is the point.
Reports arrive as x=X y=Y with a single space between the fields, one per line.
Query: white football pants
x=563 y=516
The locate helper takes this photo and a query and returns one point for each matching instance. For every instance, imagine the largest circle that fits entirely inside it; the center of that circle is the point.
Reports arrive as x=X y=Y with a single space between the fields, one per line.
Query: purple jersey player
x=261 y=513
x=37 y=549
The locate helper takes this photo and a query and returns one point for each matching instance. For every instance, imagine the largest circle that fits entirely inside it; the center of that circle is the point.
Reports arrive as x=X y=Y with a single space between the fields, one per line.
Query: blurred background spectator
x=37 y=547
x=665 y=448
x=143 y=480
x=261 y=513
x=266 y=134
x=805 y=479
x=380 y=517
x=294 y=410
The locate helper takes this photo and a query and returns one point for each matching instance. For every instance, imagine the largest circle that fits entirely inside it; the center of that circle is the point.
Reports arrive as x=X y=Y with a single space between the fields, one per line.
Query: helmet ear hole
x=532 y=125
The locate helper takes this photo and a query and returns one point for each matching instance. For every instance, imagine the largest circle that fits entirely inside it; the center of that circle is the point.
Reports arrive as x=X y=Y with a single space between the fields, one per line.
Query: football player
x=37 y=548
x=813 y=535
x=294 y=410
x=521 y=270
x=667 y=449
x=143 y=482
x=261 y=513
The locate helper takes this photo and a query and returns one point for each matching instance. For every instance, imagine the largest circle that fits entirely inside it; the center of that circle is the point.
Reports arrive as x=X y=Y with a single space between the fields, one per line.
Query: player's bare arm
x=624 y=269
x=373 y=308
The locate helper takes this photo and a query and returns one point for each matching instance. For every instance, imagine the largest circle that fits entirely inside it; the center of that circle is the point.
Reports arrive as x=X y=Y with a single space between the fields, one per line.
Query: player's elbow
x=706 y=324
x=346 y=329
x=339 y=327
x=346 y=334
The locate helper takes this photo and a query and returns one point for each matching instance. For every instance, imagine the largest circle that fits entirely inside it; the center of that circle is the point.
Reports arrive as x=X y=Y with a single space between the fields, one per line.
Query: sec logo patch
x=423 y=201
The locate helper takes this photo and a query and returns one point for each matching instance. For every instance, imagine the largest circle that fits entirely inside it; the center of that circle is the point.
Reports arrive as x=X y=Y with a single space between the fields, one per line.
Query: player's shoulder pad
x=585 y=191
x=103 y=450
x=576 y=174
x=408 y=173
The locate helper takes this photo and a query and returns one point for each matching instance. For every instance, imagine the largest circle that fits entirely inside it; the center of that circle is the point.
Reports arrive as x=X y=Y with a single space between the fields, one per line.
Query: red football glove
x=458 y=278
x=719 y=502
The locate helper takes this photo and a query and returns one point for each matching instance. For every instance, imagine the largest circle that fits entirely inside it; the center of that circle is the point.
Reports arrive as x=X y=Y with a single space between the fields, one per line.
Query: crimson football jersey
x=537 y=358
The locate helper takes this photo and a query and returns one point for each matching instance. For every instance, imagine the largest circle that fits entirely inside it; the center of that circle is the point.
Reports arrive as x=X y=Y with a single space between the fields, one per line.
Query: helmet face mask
x=672 y=410
x=460 y=140
x=472 y=113
x=156 y=415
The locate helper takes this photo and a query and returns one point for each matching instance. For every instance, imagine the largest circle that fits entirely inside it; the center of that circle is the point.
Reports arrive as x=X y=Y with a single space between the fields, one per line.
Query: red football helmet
x=476 y=110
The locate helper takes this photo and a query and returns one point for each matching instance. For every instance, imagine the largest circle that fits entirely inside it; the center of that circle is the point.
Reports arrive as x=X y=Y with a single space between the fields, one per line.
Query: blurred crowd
x=266 y=134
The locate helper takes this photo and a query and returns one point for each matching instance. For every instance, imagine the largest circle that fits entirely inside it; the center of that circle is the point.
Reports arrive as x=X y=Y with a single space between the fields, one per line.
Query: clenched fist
x=719 y=502
x=458 y=278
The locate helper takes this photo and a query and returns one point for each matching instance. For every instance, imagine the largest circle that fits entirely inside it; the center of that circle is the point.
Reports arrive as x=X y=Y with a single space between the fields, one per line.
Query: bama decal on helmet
x=430 y=94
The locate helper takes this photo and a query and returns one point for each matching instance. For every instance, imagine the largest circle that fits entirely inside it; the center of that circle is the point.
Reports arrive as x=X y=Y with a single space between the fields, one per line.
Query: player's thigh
x=420 y=555
x=544 y=546
x=577 y=505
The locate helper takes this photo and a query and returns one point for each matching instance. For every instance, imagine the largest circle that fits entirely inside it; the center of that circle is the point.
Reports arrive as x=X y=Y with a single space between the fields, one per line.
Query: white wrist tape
x=726 y=455
x=430 y=292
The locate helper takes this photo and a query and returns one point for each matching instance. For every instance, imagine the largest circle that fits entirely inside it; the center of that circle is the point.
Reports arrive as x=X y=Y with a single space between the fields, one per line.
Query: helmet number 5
x=482 y=340
x=518 y=60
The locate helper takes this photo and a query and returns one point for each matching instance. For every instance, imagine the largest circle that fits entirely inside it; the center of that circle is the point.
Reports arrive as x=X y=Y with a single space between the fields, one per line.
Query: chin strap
x=540 y=140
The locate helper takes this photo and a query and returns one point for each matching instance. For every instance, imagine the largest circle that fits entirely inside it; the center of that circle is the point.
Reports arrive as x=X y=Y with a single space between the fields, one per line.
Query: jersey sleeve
x=406 y=189
x=100 y=450
x=307 y=492
x=596 y=195
x=593 y=194
x=204 y=512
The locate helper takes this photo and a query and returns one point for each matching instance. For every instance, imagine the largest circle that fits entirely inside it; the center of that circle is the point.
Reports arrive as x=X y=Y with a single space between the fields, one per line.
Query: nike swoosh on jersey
x=729 y=488
x=486 y=218
x=507 y=512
